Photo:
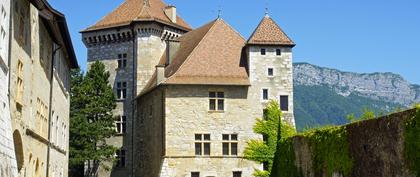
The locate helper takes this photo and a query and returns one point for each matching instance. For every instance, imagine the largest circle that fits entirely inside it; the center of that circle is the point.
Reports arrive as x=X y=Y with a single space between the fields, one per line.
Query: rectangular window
x=237 y=174
x=265 y=94
x=230 y=144
x=121 y=90
x=202 y=144
x=120 y=124
x=263 y=51
x=284 y=103
x=278 y=52
x=270 y=72
x=216 y=101
x=120 y=156
x=122 y=61
x=195 y=174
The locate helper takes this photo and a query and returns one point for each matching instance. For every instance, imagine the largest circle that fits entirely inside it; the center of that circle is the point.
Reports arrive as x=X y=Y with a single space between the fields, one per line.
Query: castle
x=188 y=98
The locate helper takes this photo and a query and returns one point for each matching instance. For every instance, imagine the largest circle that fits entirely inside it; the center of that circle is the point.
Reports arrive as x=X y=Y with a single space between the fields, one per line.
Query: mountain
x=324 y=96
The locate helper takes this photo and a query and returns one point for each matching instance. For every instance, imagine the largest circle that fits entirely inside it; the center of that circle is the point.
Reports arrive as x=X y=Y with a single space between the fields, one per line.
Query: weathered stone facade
x=280 y=83
x=141 y=46
x=7 y=154
x=40 y=64
x=181 y=112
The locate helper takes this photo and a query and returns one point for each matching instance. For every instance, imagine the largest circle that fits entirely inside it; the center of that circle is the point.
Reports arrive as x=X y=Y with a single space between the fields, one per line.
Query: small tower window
x=263 y=51
x=270 y=72
x=122 y=61
x=278 y=52
x=284 y=103
x=265 y=94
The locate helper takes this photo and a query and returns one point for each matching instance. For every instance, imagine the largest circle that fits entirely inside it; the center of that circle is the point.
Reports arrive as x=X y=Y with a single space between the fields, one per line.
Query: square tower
x=269 y=52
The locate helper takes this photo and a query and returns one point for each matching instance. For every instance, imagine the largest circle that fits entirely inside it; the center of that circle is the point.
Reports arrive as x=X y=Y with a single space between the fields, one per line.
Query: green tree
x=262 y=151
x=91 y=118
x=351 y=118
x=367 y=114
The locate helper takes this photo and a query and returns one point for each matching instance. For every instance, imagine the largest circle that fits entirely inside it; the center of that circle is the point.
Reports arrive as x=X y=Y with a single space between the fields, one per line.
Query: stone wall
x=281 y=83
x=108 y=54
x=31 y=60
x=186 y=113
x=7 y=154
x=375 y=146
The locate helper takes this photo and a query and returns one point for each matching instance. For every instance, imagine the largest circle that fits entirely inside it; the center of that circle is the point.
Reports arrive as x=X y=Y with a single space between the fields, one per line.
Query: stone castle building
x=188 y=99
x=7 y=153
x=41 y=56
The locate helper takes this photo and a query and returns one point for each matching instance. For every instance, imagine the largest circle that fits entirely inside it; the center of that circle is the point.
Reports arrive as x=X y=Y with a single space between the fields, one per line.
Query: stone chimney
x=160 y=74
x=171 y=49
x=170 y=11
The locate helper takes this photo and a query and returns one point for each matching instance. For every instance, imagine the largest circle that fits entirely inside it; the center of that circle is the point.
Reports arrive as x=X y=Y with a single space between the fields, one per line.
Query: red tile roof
x=269 y=33
x=137 y=10
x=209 y=55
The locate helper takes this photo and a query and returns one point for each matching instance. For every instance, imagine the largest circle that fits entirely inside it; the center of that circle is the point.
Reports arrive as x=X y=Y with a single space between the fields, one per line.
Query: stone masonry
x=143 y=45
x=7 y=154
x=39 y=89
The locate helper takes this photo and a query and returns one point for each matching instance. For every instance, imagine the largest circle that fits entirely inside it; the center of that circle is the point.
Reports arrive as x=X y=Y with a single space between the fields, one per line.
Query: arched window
x=17 y=140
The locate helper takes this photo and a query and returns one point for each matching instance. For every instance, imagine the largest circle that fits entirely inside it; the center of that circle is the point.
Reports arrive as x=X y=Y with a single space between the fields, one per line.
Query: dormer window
x=278 y=52
x=263 y=51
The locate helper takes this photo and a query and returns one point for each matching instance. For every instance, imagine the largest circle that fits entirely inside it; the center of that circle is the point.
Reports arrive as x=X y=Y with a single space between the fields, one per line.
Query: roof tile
x=269 y=33
x=136 y=10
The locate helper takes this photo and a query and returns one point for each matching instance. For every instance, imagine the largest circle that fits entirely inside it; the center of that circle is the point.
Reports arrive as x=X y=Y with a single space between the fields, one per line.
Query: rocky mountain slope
x=325 y=96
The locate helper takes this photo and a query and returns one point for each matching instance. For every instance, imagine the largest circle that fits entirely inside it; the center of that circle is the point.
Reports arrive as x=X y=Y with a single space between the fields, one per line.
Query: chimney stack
x=170 y=11
x=172 y=47
x=160 y=74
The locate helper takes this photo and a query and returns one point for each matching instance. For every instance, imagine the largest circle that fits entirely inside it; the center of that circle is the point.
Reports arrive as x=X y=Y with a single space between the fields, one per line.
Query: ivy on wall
x=330 y=151
x=330 y=154
x=412 y=143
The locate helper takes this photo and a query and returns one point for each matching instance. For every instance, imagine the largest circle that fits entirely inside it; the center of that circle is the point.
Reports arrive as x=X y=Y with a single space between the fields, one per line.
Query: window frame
x=281 y=105
x=235 y=173
x=218 y=100
x=230 y=142
x=121 y=124
x=202 y=142
x=279 y=52
x=195 y=174
x=122 y=90
x=263 y=51
x=263 y=99
x=122 y=61
x=272 y=71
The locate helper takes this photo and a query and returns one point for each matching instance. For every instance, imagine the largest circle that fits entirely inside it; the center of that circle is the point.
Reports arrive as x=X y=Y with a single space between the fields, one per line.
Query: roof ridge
x=189 y=56
x=233 y=29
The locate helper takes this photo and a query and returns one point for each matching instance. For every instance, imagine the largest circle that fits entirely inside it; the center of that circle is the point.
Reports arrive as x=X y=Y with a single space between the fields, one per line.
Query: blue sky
x=349 y=35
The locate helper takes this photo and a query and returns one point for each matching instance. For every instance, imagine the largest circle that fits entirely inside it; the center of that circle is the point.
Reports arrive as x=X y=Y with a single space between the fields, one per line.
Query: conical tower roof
x=269 y=33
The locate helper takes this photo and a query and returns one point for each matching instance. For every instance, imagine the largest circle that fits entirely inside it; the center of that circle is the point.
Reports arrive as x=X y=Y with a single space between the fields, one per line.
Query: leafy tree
x=351 y=117
x=367 y=114
x=263 y=151
x=91 y=118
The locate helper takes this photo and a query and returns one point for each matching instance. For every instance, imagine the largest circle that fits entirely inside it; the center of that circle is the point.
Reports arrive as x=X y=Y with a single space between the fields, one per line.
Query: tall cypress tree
x=91 y=118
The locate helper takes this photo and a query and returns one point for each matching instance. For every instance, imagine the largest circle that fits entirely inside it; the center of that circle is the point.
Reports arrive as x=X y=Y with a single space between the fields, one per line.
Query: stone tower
x=130 y=41
x=269 y=52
